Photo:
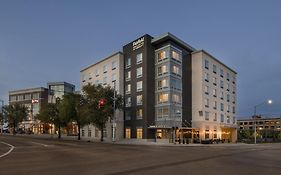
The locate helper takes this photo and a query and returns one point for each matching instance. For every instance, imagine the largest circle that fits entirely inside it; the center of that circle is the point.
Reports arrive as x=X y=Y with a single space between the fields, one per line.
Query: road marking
x=40 y=144
x=11 y=149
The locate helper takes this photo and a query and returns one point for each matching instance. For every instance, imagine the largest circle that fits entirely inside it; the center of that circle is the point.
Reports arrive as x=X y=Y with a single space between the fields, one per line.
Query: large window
x=127 y=115
x=222 y=118
x=221 y=84
x=206 y=76
x=207 y=90
x=207 y=115
x=176 y=56
x=27 y=96
x=163 y=69
x=214 y=81
x=214 y=104
x=139 y=86
x=139 y=72
x=139 y=58
x=113 y=77
x=162 y=113
x=139 y=99
x=114 y=65
x=139 y=133
x=128 y=102
x=139 y=114
x=176 y=84
x=206 y=101
x=163 y=98
x=221 y=72
x=214 y=68
x=176 y=98
x=206 y=64
x=128 y=76
x=105 y=68
x=128 y=133
x=214 y=92
x=35 y=96
x=222 y=107
x=128 y=63
x=162 y=55
x=128 y=89
x=162 y=84
x=176 y=70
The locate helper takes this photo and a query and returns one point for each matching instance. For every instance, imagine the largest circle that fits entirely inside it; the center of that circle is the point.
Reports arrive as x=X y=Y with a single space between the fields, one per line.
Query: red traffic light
x=102 y=103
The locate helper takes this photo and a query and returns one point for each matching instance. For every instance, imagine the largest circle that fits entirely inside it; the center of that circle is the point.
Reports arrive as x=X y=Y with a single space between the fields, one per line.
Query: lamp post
x=254 y=117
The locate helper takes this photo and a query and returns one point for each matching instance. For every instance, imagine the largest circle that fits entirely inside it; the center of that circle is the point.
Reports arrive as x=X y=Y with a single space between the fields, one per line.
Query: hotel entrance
x=228 y=134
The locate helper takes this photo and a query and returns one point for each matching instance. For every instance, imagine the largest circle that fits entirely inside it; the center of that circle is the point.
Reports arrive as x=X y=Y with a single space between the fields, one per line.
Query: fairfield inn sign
x=138 y=43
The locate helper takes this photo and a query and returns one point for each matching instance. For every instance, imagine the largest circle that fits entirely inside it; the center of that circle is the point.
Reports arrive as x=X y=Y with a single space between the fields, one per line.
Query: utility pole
x=114 y=117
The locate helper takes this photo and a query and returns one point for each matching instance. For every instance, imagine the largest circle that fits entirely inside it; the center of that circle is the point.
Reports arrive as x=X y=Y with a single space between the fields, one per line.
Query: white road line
x=11 y=149
x=40 y=144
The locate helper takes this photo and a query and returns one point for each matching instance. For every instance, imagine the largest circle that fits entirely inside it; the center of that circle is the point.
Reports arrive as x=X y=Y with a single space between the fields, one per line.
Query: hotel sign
x=138 y=44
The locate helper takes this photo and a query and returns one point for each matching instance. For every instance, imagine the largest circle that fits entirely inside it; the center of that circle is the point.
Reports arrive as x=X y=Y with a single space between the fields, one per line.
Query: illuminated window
x=139 y=72
x=176 y=70
x=139 y=86
x=128 y=76
x=128 y=133
x=162 y=70
x=161 y=56
x=176 y=98
x=139 y=133
x=207 y=134
x=176 y=56
x=163 y=98
x=139 y=114
x=139 y=99
x=162 y=84
x=139 y=58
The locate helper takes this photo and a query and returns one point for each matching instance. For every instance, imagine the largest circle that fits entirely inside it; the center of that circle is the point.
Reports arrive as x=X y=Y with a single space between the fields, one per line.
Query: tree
x=15 y=114
x=49 y=113
x=73 y=108
x=99 y=116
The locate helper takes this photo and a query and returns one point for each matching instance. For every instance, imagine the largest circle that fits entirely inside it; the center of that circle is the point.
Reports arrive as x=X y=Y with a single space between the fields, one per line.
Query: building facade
x=107 y=72
x=213 y=97
x=58 y=89
x=33 y=99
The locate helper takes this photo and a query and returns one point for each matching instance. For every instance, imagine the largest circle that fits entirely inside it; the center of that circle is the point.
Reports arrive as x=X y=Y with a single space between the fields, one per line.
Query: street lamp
x=254 y=117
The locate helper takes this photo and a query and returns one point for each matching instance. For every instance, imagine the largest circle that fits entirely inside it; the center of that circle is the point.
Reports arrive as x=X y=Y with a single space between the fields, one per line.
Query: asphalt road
x=52 y=157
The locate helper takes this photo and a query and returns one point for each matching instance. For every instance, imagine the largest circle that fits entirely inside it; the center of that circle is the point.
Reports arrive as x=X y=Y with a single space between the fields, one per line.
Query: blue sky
x=43 y=41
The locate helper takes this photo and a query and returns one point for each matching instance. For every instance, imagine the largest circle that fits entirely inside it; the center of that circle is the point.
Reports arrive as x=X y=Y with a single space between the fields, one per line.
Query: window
x=27 y=96
x=128 y=102
x=206 y=101
x=176 y=70
x=215 y=104
x=227 y=97
x=139 y=86
x=176 y=84
x=127 y=115
x=215 y=117
x=162 y=84
x=89 y=133
x=104 y=68
x=214 y=81
x=113 y=77
x=139 y=114
x=206 y=64
x=163 y=98
x=207 y=114
x=139 y=58
x=35 y=96
x=114 y=65
x=97 y=72
x=207 y=90
x=13 y=98
x=233 y=109
x=207 y=134
x=222 y=118
x=96 y=132
x=228 y=119
x=221 y=72
x=162 y=55
x=176 y=56
x=104 y=80
x=214 y=68
x=128 y=133
x=222 y=96
x=228 y=108
x=221 y=84
x=139 y=99
x=206 y=76
x=214 y=92
x=162 y=113
x=222 y=107
x=227 y=87
x=20 y=98
x=233 y=79
x=128 y=76
x=176 y=98
x=227 y=76
x=162 y=70
x=104 y=132
x=128 y=89
x=139 y=133
x=139 y=72
x=83 y=133
x=128 y=63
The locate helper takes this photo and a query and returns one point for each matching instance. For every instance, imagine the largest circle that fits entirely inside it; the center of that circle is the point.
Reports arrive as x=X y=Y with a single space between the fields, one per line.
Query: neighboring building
x=106 y=72
x=261 y=123
x=213 y=97
x=58 y=89
x=32 y=98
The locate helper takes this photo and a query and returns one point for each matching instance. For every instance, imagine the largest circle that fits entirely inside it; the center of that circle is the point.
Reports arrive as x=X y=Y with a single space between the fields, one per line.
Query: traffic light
x=82 y=101
x=102 y=103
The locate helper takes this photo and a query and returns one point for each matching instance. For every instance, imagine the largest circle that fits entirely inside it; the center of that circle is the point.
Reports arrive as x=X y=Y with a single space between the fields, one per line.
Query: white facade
x=213 y=97
x=105 y=72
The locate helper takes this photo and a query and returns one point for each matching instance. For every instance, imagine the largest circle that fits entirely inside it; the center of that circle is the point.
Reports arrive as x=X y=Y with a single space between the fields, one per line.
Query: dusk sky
x=45 y=41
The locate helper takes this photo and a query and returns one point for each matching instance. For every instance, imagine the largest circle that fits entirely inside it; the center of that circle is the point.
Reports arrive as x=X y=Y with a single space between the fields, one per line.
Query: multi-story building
x=58 y=89
x=107 y=72
x=172 y=91
x=213 y=97
x=273 y=123
x=33 y=99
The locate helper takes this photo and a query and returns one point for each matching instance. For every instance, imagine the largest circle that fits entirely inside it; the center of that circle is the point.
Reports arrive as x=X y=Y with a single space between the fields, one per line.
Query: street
x=46 y=156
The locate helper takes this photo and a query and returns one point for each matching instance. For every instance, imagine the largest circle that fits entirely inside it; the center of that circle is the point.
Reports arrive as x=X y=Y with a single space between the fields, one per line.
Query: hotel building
x=172 y=91
x=107 y=72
